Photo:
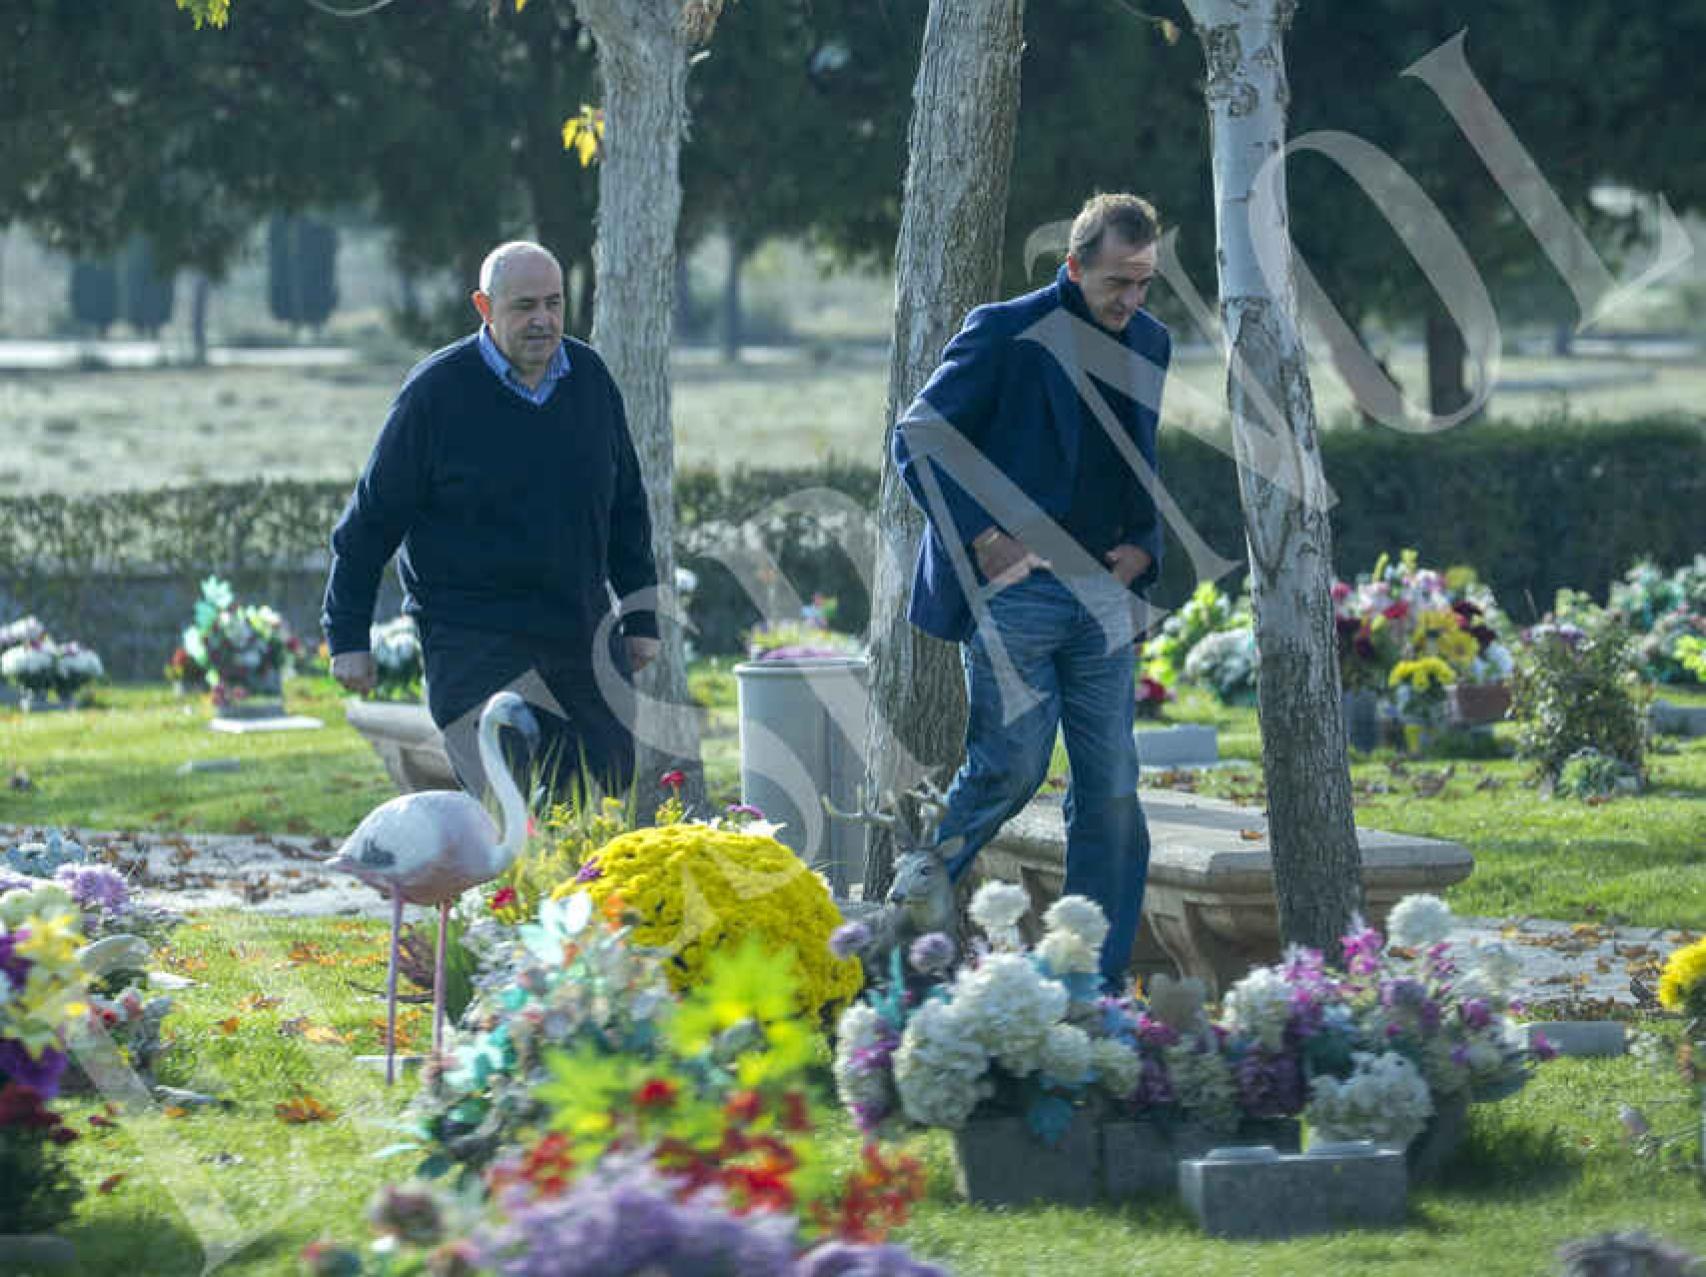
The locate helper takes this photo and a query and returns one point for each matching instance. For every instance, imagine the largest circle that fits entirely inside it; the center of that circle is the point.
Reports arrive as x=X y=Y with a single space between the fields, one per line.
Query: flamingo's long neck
x=510 y=801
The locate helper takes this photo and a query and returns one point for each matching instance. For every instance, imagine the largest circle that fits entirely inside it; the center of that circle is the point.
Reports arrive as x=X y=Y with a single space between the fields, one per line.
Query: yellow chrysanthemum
x=697 y=890
x=1422 y=674
x=1682 y=986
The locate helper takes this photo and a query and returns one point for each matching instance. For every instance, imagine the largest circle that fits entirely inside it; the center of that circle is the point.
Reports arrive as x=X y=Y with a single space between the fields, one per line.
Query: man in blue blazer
x=1032 y=453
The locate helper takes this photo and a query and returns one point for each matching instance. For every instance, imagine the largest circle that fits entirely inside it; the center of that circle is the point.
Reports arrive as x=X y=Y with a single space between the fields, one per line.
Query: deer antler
x=879 y=818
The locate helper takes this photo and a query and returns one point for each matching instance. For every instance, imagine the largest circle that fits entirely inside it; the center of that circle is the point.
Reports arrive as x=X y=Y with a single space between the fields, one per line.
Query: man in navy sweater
x=1032 y=452
x=506 y=473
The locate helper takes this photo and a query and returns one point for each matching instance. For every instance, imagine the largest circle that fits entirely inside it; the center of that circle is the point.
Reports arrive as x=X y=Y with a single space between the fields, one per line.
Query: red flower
x=657 y=1093
x=1397 y=611
x=673 y=780
x=744 y=1106
x=504 y=898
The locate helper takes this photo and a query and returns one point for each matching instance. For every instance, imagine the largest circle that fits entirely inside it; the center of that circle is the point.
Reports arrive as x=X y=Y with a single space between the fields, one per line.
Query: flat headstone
x=196 y=766
x=1678 y=720
x=1182 y=745
x=1257 y=1193
x=1584 y=1038
x=253 y=726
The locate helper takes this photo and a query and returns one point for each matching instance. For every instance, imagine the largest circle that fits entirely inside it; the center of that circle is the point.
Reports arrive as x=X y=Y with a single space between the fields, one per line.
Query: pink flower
x=673 y=780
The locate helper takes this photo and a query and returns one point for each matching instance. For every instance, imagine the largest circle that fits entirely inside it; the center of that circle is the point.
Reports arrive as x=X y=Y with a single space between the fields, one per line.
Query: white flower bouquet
x=41 y=667
x=396 y=648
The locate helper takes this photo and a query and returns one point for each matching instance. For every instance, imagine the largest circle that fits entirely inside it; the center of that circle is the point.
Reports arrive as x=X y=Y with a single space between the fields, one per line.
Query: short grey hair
x=1131 y=217
x=498 y=261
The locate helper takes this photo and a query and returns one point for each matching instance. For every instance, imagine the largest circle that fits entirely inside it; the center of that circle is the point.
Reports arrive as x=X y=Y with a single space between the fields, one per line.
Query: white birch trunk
x=1311 y=826
x=643 y=47
x=947 y=260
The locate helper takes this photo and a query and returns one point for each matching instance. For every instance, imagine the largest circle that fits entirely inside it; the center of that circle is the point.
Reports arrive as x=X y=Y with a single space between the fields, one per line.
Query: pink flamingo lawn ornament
x=428 y=848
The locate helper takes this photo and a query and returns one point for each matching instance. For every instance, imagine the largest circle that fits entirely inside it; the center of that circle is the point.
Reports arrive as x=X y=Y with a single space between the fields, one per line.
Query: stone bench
x=402 y=733
x=1209 y=909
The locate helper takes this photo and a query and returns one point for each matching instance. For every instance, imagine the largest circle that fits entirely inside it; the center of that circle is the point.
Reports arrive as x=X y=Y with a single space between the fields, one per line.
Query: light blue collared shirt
x=500 y=365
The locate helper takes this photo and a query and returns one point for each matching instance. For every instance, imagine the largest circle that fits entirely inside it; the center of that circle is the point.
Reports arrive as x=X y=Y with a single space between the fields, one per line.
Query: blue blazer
x=992 y=440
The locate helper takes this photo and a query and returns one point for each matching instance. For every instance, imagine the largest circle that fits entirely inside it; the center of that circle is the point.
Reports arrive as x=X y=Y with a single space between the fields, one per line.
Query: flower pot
x=1472 y=703
x=999 y=1162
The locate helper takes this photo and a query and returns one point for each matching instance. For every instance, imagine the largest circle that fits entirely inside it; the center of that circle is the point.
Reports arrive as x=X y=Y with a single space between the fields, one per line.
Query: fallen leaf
x=110 y=1182
x=229 y=1025
x=324 y=1034
x=258 y=1002
x=304 y=1108
x=175 y=1110
x=304 y=954
x=293 y=1027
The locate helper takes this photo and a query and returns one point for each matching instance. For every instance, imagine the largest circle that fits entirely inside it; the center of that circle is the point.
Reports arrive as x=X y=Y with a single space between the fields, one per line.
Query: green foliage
x=147 y=292
x=302 y=264
x=1208 y=612
x=1576 y=688
x=94 y=294
x=1587 y=773
x=38 y=1192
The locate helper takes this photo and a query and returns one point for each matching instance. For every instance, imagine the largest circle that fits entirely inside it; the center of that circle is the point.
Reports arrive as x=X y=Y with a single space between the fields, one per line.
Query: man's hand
x=355 y=670
x=1127 y=563
x=1004 y=560
x=642 y=651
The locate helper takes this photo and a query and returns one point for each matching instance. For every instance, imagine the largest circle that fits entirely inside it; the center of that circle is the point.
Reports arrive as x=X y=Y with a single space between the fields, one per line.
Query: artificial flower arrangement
x=1577 y=687
x=1667 y=613
x=1207 y=611
x=33 y=662
x=235 y=650
x=1228 y=664
x=42 y=997
x=1682 y=992
x=1367 y=1052
x=1012 y=1031
x=594 y=1114
x=1152 y=697
x=695 y=887
x=396 y=648
x=809 y=636
x=1412 y=631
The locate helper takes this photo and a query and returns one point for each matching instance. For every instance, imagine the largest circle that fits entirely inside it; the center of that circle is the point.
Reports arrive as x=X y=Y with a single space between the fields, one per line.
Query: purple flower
x=1363 y=951
x=1543 y=1050
x=744 y=809
x=848 y=939
x=1476 y=1014
x=1154 y=1086
x=40 y=1075
x=849 y=1259
x=94 y=887
x=591 y=871
x=1270 y=1085
x=13 y=965
x=931 y=953
x=1460 y=1056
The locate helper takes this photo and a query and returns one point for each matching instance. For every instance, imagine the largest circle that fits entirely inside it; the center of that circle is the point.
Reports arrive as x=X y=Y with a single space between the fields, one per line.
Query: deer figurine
x=922 y=898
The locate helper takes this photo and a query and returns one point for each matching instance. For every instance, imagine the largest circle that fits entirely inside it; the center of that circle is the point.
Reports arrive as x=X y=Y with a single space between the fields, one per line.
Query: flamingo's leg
x=438 y=981
x=391 y=988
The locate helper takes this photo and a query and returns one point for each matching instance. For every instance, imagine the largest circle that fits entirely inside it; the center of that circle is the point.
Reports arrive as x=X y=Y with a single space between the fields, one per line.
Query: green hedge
x=1532 y=507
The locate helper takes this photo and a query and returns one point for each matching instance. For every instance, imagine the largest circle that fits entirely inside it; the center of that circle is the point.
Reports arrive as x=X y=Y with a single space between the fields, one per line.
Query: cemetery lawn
x=1542 y=1168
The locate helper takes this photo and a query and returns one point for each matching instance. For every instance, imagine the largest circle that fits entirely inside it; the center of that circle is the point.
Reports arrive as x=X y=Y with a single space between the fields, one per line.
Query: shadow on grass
x=1502 y=1159
x=110 y=1245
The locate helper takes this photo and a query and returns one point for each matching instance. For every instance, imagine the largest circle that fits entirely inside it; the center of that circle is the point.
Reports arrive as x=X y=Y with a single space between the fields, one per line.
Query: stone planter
x=1141 y=1157
x=999 y=1162
x=1470 y=704
x=1440 y=1139
x=407 y=742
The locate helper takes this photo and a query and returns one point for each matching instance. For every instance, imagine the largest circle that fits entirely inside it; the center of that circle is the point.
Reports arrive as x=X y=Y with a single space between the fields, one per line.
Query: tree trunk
x=642 y=56
x=1311 y=827
x=1446 y=351
x=738 y=253
x=200 y=290
x=947 y=260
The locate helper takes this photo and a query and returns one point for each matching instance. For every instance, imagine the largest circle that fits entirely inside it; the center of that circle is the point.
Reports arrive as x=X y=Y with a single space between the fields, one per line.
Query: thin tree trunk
x=642 y=57
x=1311 y=827
x=738 y=253
x=200 y=289
x=1446 y=351
x=948 y=260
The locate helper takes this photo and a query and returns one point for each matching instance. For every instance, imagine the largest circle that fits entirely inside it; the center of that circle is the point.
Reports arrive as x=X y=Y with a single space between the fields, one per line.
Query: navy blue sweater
x=512 y=517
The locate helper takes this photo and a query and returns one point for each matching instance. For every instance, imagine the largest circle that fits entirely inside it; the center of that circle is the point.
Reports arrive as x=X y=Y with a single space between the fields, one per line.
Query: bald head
x=503 y=260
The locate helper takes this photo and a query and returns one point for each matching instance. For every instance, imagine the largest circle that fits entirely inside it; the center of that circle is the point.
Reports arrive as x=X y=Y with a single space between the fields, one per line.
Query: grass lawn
x=1539 y=1169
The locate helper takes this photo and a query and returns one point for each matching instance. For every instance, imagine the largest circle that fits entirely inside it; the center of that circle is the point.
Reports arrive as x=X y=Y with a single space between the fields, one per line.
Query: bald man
x=506 y=475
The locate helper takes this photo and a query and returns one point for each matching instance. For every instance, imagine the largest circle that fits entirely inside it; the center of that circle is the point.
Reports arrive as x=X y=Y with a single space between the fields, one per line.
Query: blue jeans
x=1061 y=657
